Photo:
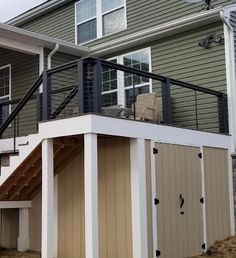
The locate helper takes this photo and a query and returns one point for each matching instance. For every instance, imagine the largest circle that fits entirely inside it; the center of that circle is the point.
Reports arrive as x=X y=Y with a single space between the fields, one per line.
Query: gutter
x=34 y=38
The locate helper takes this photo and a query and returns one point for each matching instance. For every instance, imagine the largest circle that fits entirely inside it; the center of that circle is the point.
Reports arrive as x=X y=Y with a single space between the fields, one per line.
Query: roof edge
x=67 y=46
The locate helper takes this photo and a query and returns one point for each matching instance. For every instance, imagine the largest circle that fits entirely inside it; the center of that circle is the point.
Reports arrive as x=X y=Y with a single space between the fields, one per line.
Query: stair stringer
x=24 y=152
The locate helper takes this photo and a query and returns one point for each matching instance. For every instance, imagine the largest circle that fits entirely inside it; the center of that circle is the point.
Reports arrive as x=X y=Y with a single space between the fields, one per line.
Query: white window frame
x=99 y=20
x=121 y=78
x=9 y=95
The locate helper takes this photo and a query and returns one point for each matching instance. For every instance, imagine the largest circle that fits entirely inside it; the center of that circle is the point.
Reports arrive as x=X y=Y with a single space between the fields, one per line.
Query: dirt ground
x=222 y=249
x=14 y=254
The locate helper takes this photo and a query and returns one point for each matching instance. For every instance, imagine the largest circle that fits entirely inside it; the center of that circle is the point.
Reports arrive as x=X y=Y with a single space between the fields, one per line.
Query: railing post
x=166 y=101
x=46 y=96
x=97 y=83
x=1 y=114
x=222 y=113
x=80 y=73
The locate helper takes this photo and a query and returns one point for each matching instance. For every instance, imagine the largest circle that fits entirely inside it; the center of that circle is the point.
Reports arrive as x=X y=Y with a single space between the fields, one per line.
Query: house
x=83 y=177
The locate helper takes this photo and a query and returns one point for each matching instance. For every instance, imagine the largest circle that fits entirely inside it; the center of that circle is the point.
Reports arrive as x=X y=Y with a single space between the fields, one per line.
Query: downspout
x=230 y=76
x=51 y=54
x=230 y=73
x=55 y=233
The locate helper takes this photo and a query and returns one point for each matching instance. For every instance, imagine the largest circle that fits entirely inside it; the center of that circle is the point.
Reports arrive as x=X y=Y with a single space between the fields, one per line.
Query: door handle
x=181 y=199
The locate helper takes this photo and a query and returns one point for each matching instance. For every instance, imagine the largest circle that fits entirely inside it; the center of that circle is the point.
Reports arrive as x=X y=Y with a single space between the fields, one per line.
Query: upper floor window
x=97 y=18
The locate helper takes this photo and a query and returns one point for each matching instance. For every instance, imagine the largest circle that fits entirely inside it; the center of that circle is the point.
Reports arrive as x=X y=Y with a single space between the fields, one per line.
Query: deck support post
x=91 y=195
x=55 y=215
x=23 y=239
x=138 y=198
x=47 y=198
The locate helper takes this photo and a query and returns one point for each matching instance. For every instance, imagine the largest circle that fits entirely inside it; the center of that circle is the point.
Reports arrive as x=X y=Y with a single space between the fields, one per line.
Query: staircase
x=21 y=179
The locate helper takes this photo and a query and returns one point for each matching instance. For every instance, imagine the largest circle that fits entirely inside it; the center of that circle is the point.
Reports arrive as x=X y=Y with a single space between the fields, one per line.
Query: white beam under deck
x=47 y=199
x=91 y=196
x=132 y=129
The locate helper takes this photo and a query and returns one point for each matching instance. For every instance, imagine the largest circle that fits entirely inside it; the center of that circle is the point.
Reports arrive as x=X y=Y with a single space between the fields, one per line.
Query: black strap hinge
x=158 y=253
x=155 y=151
x=202 y=200
x=200 y=155
x=204 y=246
x=156 y=201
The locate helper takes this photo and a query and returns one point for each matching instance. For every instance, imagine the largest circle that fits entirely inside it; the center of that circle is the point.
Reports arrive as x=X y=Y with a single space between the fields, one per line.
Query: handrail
x=21 y=104
x=157 y=77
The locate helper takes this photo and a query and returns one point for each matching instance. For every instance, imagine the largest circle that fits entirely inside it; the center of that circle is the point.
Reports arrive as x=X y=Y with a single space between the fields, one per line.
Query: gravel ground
x=14 y=254
x=222 y=249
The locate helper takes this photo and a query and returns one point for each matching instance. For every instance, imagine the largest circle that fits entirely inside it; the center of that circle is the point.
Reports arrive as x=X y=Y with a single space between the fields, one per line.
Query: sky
x=12 y=8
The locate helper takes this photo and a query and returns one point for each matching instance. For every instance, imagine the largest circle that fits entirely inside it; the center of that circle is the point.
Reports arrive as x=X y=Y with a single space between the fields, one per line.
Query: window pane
x=4 y=82
x=130 y=98
x=138 y=60
x=5 y=109
x=109 y=78
x=87 y=31
x=85 y=9
x=114 y=21
x=109 y=99
x=108 y=5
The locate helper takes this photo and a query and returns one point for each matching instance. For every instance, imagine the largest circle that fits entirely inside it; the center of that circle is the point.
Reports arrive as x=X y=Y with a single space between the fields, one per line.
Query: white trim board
x=132 y=129
x=15 y=204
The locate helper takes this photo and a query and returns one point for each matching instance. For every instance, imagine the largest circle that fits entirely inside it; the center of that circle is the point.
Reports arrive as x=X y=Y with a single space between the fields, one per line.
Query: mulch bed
x=222 y=249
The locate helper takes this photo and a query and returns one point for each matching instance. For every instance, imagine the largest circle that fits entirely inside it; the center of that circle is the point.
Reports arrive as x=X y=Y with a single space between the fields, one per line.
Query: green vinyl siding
x=60 y=23
x=62 y=80
x=180 y=57
x=24 y=71
x=145 y=14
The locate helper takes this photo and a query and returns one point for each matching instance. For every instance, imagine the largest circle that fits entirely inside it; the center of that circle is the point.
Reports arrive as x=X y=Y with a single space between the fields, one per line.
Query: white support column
x=91 y=196
x=23 y=239
x=47 y=198
x=55 y=216
x=204 y=204
x=138 y=198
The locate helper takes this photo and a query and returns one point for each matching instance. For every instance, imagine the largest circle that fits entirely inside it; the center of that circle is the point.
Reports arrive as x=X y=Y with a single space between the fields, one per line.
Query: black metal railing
x=78 y=87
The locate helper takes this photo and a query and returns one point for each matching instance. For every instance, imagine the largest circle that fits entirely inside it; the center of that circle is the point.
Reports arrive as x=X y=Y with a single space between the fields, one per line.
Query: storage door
x=179 y=212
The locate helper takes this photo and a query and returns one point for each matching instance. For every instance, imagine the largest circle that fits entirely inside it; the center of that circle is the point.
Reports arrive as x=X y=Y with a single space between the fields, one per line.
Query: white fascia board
x=15 y=204
x=132 y=129
x=18 y=46
x=38 y=40
x=157 y=32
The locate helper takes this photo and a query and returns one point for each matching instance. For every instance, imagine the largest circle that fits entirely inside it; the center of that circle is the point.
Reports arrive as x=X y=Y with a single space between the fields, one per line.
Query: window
x=97 y=18
x=5 y=93
x=117 y=87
